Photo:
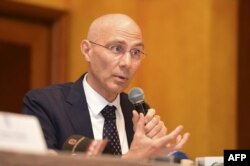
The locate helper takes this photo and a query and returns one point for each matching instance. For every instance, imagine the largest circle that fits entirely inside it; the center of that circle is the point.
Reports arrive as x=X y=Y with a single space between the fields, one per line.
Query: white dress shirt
x=95 y=105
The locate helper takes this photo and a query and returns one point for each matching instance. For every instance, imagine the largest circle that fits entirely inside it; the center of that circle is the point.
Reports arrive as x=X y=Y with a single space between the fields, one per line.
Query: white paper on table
x=21 y=133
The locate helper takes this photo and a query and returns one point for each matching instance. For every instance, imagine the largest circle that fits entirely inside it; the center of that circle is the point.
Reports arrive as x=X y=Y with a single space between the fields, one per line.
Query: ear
x=85 y=49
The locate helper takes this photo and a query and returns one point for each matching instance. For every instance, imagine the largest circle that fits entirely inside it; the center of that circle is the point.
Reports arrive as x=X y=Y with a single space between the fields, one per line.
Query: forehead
x=123 y=33
x=115 y=27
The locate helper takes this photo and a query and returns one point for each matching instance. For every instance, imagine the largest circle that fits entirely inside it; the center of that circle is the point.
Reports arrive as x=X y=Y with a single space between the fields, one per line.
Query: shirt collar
x=95 y=101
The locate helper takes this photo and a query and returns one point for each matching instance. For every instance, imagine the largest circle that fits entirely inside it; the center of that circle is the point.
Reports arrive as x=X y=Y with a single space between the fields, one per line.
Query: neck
x=108 y=95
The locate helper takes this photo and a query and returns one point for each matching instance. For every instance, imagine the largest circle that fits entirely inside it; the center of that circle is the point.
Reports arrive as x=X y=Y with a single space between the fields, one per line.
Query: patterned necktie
x=110 y=130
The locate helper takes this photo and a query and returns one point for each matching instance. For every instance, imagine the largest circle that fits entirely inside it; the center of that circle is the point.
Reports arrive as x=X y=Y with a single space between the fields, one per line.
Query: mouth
x=121 y=78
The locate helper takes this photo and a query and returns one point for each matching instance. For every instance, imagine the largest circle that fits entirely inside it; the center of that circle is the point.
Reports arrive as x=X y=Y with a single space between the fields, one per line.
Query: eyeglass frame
x=142 y=54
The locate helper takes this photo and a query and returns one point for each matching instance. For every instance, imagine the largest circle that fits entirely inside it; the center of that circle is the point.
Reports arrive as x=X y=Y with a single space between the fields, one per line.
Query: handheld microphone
x=136 y=97
x=76 y=143
x=80 y=144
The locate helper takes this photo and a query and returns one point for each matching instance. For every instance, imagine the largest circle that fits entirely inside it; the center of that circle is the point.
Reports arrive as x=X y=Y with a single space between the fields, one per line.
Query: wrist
x=132 y=155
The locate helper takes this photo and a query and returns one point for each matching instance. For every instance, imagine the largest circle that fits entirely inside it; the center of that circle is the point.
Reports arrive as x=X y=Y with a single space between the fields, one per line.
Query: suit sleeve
x=36 y=103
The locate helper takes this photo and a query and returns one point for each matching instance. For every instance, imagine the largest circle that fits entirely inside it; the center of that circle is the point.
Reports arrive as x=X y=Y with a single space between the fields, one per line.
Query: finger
x=155 y=131
x=91 y=149
x=167 y=141
x=182 y=142
x=150 y=114
x=161 y=133
x=152 y=123
x=171 y=136
x=178 y=139
x=95 y=148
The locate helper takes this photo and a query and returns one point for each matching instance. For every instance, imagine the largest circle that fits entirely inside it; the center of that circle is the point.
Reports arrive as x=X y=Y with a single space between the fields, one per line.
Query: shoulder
x=46 y=98
x=55 y=94
x=49 y=95
x=63 y=89
x=57 y=89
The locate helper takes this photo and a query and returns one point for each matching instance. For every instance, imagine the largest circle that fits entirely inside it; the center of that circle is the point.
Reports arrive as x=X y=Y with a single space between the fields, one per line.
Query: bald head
x=112 y=47
x=106 y=24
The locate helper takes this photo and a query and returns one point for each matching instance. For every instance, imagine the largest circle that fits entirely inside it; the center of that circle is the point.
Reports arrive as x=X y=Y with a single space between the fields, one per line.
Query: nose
x=126 y=59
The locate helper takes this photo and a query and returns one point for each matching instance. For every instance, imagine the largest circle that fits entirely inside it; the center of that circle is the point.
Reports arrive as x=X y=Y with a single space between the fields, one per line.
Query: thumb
x=135 y=117
x=139 y=126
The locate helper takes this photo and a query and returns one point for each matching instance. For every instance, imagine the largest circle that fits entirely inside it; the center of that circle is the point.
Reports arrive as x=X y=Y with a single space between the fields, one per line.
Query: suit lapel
x=127 y=108
x=77 y=110
x=78 y=113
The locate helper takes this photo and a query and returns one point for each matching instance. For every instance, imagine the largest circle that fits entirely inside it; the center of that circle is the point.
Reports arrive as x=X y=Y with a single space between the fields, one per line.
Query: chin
x=117 y=88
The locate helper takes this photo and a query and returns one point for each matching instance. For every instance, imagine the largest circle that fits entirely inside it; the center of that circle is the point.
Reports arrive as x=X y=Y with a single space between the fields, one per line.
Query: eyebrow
x=124 y=43
x=140 y=44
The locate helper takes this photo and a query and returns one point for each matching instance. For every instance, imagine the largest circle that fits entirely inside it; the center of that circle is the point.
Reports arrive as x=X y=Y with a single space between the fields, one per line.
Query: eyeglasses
x=119 y=50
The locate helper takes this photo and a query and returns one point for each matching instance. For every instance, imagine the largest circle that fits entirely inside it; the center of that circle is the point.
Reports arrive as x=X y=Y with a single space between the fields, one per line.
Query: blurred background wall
x=191 y=72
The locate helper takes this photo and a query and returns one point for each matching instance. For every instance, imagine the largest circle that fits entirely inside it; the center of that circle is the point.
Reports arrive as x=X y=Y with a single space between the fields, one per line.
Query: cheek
x=101 y=64
x=135 y=68
x=96 y=60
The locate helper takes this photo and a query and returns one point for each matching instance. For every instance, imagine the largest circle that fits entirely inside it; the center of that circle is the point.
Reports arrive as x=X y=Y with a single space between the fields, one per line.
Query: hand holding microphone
x=154 y=127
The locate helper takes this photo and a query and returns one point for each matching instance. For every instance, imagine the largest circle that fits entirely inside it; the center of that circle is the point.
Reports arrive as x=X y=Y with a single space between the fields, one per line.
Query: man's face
x=110 y=71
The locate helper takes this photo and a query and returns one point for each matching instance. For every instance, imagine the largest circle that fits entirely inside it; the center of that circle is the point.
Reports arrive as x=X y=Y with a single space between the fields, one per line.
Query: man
x=113 y=50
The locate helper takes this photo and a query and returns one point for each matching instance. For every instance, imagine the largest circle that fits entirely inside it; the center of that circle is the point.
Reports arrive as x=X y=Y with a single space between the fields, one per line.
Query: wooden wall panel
x=243 y=104
x=36 y=37
x=15 y=75
x=42 y=31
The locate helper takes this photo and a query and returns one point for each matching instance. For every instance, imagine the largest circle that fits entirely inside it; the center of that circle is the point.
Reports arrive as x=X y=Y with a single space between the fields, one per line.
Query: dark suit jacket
x=62 y=111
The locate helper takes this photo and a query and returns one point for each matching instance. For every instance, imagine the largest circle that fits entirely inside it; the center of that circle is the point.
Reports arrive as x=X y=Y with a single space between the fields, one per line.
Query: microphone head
x=76 y=143
x=79 y=144
x=136 y=95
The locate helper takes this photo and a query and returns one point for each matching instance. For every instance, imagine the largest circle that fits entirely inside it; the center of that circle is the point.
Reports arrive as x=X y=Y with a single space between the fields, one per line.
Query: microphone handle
x=141 y=107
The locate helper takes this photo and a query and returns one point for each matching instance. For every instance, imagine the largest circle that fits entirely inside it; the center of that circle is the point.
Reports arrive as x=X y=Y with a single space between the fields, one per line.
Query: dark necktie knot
x=108 y=112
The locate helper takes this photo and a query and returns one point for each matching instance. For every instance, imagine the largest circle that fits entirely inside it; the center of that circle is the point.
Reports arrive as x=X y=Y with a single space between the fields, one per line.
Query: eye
x=136 y=53
x=117 y=49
